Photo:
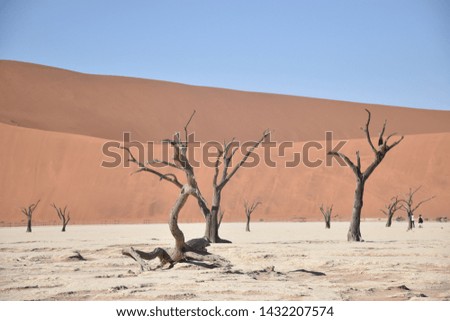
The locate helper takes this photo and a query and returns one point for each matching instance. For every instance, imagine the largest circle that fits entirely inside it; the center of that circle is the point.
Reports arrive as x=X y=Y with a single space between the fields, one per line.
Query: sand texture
x=275 y=261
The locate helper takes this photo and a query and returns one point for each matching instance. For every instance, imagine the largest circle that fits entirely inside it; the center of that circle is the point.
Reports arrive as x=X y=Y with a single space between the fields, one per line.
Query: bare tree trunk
x=389 y=220
x=212 y=219
x=183 y=251
x=247 y=226
x=29 y=225
x=328 y=223
x=211 y=232
x=354 y=232
x=173 y=225
x=410 y=223
x=64 y=227
x=212 y=222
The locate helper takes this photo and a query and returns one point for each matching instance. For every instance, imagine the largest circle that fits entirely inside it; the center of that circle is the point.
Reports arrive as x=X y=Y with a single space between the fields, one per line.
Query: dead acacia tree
x=223 y=172
x=28 y=212
x=249 y=209
x=193 y=250
x=390 y=209
x=63 y=215
x=380 y=151
x=327 y=215
x=409 y=206
x=224 y=163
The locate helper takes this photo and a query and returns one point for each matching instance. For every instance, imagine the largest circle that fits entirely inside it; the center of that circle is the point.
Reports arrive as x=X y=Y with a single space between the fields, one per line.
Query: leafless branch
x=250 y=208
x=424 y=201
x=355 y=169
x=187 y=124
x=157 y=161
x=142 y=168
x=244 y=159
x=366 y=130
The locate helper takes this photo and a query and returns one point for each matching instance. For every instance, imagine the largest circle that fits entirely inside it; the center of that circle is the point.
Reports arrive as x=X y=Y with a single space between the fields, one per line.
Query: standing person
x=420 y=220
x=412 y=221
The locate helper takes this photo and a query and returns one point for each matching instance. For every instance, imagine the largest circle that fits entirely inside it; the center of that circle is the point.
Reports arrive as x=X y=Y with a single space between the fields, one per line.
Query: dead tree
x=249 y=209
x=222 y=168
x=63 y=215
x=327 y=215
x=390 y=209
x=223 y=163
x=380 y=151
x=409 y=207
x=194 y=250
x=28 y=212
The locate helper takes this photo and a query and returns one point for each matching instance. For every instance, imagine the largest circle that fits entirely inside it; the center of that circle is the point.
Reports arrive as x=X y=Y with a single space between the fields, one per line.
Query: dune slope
x=53 y=124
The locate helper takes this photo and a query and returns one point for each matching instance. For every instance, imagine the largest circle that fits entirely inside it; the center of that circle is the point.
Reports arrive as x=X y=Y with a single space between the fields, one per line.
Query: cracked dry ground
x=276 y=261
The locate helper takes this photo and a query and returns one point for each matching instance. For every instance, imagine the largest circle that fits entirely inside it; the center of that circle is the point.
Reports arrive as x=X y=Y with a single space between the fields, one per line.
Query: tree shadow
x=316 y=273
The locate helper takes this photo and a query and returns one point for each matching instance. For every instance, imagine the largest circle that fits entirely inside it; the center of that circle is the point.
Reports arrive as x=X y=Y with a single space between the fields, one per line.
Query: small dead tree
x=194 y=250
x=380 y=151
x=327 y=215
x=390 y=209
x=63 y=215
x=28 y=212
x=249 y=209
x=409 y=206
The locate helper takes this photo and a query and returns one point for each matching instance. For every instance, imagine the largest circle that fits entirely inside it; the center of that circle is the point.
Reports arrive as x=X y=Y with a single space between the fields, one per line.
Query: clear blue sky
x=393 y=52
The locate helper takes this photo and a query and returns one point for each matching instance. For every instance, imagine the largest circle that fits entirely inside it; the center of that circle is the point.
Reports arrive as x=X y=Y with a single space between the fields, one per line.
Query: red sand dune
x=54 y=122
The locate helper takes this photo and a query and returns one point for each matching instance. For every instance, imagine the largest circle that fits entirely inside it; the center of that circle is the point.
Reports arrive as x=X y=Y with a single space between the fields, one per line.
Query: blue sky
x=392 y=52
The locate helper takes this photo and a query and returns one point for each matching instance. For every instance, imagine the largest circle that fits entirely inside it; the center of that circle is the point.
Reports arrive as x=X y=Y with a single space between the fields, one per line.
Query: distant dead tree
x=380 y=151
x=63 y=216
x=194 y=250
x=327 y=215
x=249 y=209
x=390 y=209
x=28 y=212
x=409 y=207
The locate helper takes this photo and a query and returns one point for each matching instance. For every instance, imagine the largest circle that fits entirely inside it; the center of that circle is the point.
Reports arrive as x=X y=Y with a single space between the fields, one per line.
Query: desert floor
x=309 y=263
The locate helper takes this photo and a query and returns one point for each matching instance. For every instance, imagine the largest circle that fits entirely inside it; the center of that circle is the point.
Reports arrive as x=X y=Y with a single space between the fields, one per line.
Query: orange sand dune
x=52 y=99
x=54 y=123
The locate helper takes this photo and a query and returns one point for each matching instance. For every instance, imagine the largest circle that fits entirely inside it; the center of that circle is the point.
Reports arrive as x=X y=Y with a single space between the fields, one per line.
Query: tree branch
x=358 y=160
x=395 y=143
x=157 y=161
x=355 y=169
x=186 y=126
x=424 y=201
x=380 y=138
x=216 y=166
x=167 y=177
x=33 y=206
x=249 y=209
x=244 y=159
x=366 y=130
